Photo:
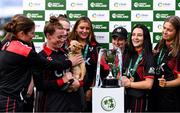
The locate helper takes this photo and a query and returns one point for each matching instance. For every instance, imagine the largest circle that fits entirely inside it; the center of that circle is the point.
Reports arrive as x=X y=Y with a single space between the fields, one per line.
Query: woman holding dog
x=83 y=32
x=56 y=98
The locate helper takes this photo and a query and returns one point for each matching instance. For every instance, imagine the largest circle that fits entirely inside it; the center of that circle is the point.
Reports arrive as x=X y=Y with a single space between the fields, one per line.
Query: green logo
x=142 y=5
x=149 y=25
x=100 y=26
x=98 y=4
x=108 y=103
x=177 y=5
x=55 y=4
x=120 y=15
x=161 y=15
x=35 y=15
x=157 y=37
x=74 y=15
x=39 y=37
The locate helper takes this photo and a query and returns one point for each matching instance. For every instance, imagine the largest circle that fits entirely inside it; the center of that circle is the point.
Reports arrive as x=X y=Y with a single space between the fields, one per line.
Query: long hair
x=147 y=45
x=73 y=35
x=175 y=21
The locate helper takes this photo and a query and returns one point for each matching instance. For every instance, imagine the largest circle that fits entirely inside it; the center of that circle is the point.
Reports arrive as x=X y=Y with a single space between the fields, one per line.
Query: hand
x=67 y=76
x=162 y=81
x=77 y=59
x=75 y=85
x=126 y=82
x=88 y=95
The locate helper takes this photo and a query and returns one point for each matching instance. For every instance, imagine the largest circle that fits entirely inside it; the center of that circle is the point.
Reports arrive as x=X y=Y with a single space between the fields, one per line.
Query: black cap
x=120 y=32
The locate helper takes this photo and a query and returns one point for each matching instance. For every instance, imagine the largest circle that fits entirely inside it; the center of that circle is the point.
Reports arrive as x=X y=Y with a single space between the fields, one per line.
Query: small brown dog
x=78 y=71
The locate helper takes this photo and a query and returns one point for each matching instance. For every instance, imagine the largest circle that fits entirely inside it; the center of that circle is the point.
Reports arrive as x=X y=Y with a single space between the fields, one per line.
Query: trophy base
x=110 y=83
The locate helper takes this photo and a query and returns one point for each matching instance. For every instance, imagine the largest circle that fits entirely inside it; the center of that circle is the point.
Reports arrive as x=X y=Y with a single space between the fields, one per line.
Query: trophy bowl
x=111 y=80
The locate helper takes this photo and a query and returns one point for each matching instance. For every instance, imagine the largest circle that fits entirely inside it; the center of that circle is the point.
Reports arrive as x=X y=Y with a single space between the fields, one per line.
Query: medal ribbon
x=131 y=71
x=85 y=51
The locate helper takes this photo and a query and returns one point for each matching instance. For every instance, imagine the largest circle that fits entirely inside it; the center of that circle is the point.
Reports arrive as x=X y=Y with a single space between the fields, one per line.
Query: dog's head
x=75 y=47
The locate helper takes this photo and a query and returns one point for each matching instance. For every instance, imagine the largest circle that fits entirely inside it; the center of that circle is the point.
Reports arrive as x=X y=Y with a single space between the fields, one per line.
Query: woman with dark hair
x=17 y=58
x=165 y=92
x=83 y=32
x=140 y=71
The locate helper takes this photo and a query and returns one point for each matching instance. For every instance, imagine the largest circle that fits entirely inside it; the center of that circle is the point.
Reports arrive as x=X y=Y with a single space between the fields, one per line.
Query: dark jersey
x=91 y=64
x=135 y=99
x=54 y=99
x=16 y=58
x=165 y=99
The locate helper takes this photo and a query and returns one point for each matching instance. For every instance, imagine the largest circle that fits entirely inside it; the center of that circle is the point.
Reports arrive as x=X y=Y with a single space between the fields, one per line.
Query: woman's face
x=57 y=39
x=168 y=31
x=118 y=42
x=66 y=26
x=30 y=35
x=83 y=30
x=137 y=37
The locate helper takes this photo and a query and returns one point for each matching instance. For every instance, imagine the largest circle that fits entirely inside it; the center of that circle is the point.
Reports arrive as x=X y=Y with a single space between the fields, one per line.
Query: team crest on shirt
x=151 y=70
x=58 y=74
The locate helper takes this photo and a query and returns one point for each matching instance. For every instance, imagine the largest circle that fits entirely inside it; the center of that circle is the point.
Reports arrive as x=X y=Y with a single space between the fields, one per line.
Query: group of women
x=151 y=77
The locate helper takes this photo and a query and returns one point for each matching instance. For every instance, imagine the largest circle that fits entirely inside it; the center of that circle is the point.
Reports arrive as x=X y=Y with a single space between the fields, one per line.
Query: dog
x=78 y=71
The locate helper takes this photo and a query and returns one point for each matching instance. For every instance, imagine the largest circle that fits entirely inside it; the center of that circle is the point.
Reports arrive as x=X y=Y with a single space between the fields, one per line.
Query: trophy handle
x=119 y=54
x=98 y=81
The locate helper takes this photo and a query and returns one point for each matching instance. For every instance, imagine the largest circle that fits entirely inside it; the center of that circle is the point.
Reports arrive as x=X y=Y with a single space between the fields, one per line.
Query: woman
x=139 y=75
x=17 y=57
x=83 y=32
x=64 y=21
x=167 y=53
x=55 y=98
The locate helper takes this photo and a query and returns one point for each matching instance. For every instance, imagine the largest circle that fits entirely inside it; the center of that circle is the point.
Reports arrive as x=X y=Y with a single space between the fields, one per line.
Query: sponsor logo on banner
x=33 y=4
x=39 y=26
x=164 y=5
x=98 y=4
x=108 y=103
x=142 y=5
x=36 y=15
x=56 y=13
x=102 y=37
x=77 y=4
x=115 y=24
x=141 y=15
x=158 y=26
x=74 y=15
x=149 y=25
x=98 y=15
x=55 y=4
x=156 y=37
x=120 y=5
x=120 y=16
x=100 y=26
x=161 y=15
x=177 y=5
x=39 y=37
x=177 y=12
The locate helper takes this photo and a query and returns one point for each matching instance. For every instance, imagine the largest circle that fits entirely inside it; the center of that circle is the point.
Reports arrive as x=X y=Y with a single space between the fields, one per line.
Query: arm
x=144 y=84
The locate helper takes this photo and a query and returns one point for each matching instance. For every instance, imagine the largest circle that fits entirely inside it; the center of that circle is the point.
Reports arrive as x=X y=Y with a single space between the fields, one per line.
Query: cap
x=120 y=32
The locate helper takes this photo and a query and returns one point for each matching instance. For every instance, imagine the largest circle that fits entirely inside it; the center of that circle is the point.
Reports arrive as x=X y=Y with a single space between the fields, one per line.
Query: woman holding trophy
x=139 y=74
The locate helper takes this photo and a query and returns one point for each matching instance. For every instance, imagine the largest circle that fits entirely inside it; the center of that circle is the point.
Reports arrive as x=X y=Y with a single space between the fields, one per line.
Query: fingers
x=77 y=59
x=162 y=81
x=67 y=76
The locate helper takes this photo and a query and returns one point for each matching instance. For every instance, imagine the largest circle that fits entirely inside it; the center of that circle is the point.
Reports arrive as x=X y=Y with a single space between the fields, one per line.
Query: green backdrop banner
x=104 y=14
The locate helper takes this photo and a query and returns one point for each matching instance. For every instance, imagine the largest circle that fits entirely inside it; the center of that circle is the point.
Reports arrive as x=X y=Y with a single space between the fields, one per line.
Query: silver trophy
x=114 y=59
